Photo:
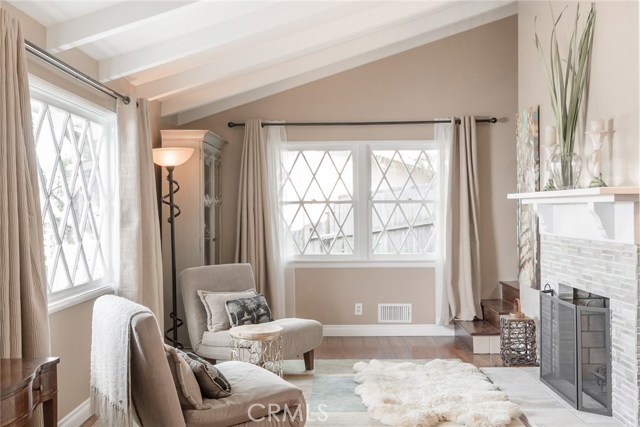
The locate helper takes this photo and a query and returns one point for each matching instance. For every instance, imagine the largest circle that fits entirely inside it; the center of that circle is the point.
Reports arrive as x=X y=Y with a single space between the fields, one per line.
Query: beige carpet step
x=477 y=336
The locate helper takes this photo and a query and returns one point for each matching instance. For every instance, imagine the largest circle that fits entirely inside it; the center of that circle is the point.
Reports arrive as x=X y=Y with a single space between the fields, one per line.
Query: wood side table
x=24 y=384
x=258 y=344
x=518 y=340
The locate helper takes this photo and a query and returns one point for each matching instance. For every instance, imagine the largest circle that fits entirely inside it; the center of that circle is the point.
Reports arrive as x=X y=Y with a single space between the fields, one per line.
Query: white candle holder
x=550 y=150
x=597 y=139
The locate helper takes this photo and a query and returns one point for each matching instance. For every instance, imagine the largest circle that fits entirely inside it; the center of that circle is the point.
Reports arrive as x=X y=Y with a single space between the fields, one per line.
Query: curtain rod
x=406 y=122
x=63 y=66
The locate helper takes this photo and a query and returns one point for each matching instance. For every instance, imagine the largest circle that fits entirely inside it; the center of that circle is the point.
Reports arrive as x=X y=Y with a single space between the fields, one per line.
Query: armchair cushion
x=298 y=336
x=214 y=305
x=248 y=311
x=255 y=393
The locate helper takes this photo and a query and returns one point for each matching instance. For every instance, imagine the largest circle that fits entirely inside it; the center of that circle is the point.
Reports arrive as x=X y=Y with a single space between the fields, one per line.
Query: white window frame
x=363 y=245
x=50 y=94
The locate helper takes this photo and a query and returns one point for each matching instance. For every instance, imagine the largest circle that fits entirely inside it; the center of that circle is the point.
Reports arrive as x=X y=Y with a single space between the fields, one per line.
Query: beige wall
x=613 y=88
x=473 y=73
x=329 y=295
x=71 y=342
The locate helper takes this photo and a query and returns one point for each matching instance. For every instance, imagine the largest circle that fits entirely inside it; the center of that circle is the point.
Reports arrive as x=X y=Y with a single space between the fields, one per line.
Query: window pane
x=403 y=174
x=314 y=175
x=403 y=228
x=318 y=201
x=403 y=192
x=71 y=172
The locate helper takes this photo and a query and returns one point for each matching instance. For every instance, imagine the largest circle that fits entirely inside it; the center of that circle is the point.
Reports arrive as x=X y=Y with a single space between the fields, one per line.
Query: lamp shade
x=172 y=156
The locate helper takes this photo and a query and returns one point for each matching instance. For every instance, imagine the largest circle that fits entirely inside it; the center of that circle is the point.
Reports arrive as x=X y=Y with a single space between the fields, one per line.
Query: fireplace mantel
x=604 y=214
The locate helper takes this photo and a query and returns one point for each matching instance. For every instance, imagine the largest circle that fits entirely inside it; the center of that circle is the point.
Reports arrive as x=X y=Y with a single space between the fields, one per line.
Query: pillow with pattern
x=248 y=311
x=187 y=386
x=217 y=318
x=213 y=384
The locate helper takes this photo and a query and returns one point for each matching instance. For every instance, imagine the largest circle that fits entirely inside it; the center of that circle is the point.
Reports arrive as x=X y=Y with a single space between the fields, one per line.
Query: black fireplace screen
x=575 y=350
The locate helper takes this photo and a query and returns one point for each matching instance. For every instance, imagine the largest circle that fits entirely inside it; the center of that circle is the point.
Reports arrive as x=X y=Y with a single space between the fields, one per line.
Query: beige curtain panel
x=24 y=319
x=140 y=251
x=255 y=235
x=463 y=245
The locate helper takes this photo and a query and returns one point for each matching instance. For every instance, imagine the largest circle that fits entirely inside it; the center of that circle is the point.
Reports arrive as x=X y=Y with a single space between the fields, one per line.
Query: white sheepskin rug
x=414 y=395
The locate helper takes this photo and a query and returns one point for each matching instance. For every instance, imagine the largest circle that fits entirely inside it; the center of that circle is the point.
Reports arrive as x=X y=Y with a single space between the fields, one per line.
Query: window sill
x=63 y=302
x=362 y=264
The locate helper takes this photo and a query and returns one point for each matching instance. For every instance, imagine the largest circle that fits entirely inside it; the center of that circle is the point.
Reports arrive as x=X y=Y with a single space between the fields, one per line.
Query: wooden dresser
x=24 y=384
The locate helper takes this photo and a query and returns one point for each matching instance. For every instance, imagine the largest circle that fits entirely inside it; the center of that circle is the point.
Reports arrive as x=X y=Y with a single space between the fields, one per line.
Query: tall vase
x=565 y=169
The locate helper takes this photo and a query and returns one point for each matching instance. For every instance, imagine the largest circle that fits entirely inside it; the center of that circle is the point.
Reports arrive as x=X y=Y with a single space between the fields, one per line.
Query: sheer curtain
x=259 y=238
x=140 y=255
x=443 y=134
x=283 y=277
x=24 y=318
x=458 y=269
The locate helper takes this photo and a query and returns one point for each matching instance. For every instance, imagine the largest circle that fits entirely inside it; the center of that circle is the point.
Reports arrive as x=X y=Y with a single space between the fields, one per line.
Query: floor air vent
x=394 y=313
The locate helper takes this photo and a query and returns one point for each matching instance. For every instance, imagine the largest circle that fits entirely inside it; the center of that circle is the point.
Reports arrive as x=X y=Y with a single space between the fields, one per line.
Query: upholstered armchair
x=257 y=397
x=300 y=336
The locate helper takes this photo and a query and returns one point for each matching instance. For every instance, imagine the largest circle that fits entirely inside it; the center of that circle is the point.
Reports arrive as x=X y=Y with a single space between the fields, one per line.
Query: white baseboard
x=78 y=416
x=386 y=330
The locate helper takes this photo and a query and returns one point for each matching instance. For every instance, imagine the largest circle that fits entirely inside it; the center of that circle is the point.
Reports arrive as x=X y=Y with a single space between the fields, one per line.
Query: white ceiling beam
x=227 y=64
x=231 y=93
x=275 y=18
x=107 y=22
x=221 y=54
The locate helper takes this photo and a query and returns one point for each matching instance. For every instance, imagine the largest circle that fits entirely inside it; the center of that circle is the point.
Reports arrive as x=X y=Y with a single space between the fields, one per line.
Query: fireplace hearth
x=575 y=348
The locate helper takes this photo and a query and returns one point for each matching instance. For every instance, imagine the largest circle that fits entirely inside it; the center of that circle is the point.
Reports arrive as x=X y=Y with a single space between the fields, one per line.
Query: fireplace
x=575 y=348
x=590 y=240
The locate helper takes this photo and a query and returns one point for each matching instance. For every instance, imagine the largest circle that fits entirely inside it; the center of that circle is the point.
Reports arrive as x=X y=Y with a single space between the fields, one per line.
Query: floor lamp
x=170 y=158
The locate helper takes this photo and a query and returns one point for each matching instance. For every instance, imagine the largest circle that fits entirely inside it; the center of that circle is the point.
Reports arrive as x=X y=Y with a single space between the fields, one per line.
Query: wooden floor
x=401 y=348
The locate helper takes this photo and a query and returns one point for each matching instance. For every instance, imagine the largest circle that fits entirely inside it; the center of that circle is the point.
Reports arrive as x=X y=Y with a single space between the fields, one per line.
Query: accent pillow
x=249 y=311
x=214 y=305
x=185 y=381
x=213 y=385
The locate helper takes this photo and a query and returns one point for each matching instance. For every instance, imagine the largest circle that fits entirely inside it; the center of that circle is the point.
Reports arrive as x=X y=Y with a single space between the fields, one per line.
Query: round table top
x=261 y=331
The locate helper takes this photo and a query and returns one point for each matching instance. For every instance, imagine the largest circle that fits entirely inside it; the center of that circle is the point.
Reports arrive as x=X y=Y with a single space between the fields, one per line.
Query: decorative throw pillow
x=214 y=305
x=213 y=385
x=248 y=311
x=185 y=381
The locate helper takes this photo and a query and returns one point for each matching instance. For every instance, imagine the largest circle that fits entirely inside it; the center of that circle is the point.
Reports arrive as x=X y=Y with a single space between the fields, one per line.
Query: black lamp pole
x=174 y=211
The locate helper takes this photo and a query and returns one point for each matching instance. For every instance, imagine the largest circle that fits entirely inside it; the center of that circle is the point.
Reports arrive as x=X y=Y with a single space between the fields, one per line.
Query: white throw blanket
x=110 y=360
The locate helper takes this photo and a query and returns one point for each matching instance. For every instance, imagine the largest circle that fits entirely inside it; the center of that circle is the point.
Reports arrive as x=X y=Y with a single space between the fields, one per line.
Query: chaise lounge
x=258 y=397
x=300 y=336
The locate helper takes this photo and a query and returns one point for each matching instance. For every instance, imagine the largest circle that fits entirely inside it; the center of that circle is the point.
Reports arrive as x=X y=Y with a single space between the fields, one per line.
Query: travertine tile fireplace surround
x=590 y=240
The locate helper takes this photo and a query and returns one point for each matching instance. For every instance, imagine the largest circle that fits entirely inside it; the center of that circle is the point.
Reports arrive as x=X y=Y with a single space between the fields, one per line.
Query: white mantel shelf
x=605 y=214
x=579 y=195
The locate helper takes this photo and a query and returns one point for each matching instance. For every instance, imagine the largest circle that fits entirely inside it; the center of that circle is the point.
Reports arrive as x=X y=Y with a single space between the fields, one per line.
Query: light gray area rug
x=408 y=394
x=330 y=395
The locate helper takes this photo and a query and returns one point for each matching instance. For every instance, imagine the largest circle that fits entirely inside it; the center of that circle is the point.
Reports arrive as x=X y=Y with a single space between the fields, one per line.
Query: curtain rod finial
x=231 y=124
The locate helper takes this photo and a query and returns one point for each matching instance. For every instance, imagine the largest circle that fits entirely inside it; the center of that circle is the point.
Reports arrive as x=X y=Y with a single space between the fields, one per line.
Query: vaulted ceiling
x=202 y=57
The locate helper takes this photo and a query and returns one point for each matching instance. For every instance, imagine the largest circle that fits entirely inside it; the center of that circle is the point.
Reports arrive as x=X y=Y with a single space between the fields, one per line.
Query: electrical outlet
x=358 y=309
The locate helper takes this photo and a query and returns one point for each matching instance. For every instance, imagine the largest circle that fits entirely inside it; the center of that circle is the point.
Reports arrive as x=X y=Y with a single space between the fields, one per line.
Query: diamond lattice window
x=403 y=194
x=363 y=201
x=318 y=201
x=73 y=173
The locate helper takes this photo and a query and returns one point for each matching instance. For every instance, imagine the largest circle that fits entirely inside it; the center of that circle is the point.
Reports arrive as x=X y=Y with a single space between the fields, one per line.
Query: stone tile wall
x=611 y=270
